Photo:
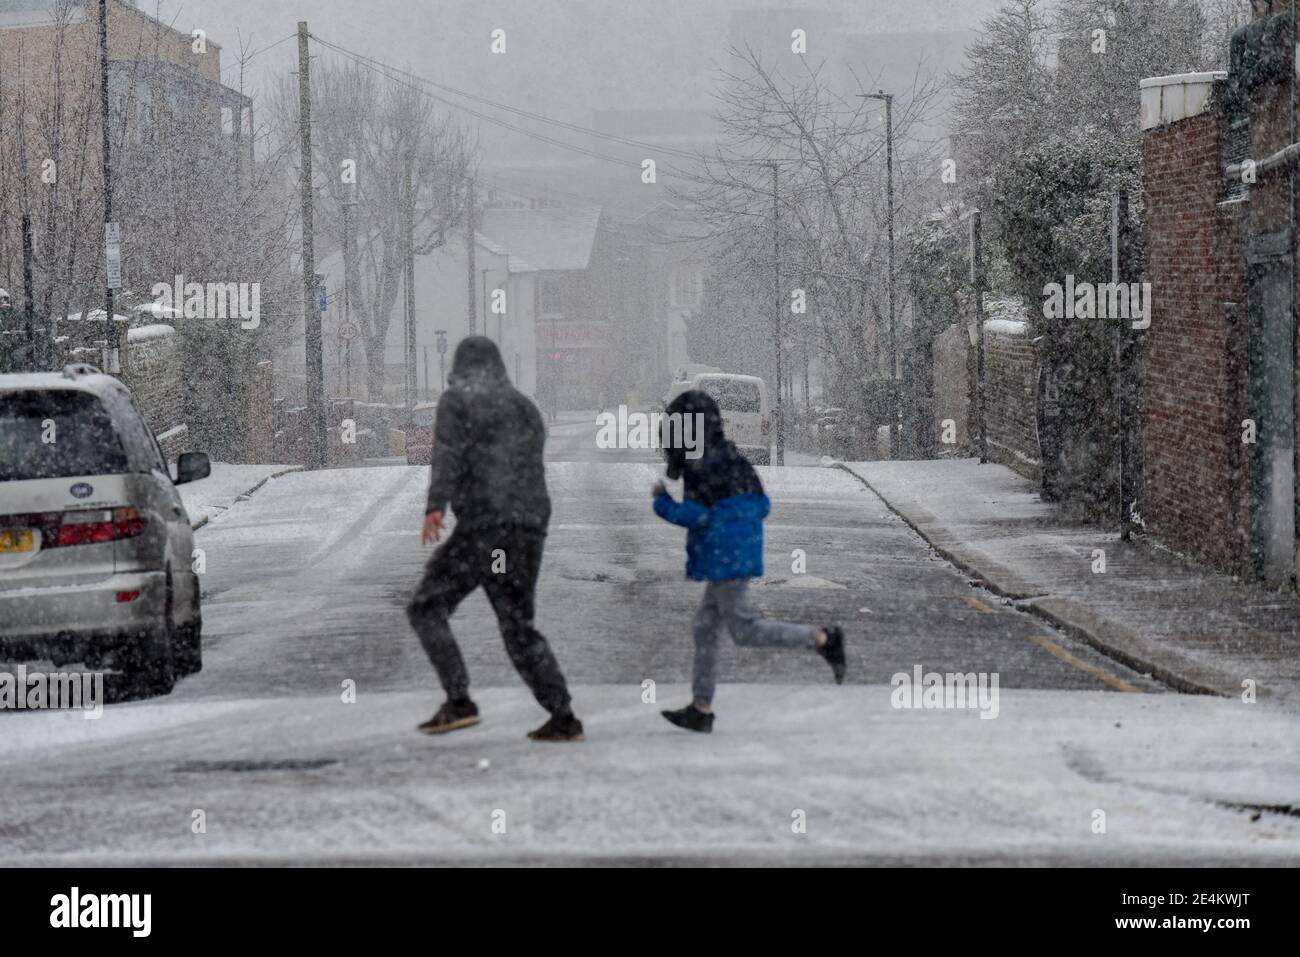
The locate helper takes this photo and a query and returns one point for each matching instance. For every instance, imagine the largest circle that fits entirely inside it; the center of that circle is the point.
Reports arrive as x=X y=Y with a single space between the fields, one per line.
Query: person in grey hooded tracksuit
x=723 y=508
x=487 y=466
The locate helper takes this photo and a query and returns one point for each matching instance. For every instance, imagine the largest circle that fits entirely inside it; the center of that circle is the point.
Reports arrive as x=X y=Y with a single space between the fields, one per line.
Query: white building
x=505 y=311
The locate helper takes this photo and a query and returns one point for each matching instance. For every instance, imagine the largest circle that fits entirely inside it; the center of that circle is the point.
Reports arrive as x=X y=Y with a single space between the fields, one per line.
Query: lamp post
x=776 y=326
x=349 y=204
x=888 y=99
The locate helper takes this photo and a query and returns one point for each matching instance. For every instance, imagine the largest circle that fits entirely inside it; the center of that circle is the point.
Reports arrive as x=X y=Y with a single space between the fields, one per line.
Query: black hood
x=690 y=403
x=477 y=359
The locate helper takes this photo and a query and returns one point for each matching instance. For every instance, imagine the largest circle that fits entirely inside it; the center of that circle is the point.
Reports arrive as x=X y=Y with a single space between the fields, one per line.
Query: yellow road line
x=1119 y=684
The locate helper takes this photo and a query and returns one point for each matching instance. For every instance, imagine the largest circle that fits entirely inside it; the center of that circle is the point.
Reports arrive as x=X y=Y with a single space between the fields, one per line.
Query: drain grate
x=242 y=765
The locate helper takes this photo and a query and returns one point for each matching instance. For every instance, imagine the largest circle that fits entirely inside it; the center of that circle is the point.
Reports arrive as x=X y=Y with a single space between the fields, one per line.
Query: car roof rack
x=79 y=368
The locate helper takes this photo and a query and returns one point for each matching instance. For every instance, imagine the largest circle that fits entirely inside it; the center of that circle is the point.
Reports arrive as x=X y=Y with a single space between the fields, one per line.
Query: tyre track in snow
x=326 y=561
x=623 y=569
x=295 y=607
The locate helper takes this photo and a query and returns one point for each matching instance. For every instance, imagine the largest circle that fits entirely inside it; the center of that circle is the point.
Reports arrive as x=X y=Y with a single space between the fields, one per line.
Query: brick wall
x=1194 y=495
x=1011 y=401
x=154 y=378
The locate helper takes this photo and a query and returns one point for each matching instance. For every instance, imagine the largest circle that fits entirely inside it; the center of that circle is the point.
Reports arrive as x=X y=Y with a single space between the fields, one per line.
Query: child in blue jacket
x=723 y=510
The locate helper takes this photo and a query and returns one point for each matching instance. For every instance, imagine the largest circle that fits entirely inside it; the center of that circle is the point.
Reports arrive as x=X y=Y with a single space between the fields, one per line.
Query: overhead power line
x=239 y=61
x=387 y=72
x=421 y=85
x=518 y=111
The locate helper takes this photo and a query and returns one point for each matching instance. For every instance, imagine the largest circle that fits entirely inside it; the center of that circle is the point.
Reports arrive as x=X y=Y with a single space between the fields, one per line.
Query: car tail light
x=89 y=527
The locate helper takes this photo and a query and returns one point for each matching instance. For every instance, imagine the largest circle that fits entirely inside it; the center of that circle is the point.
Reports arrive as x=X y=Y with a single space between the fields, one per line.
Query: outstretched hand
x=432 y=530
x=659 y=489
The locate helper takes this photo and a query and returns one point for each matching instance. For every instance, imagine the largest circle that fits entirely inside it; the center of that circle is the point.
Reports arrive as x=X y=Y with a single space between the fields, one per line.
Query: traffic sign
x=113 y=255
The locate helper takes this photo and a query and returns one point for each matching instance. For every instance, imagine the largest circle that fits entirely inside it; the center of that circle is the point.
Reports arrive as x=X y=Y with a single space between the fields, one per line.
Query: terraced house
x=180 y=143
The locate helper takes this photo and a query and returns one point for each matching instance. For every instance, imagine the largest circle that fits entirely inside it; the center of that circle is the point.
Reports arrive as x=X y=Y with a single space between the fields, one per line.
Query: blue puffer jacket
x=723 y=541
x=724 y=503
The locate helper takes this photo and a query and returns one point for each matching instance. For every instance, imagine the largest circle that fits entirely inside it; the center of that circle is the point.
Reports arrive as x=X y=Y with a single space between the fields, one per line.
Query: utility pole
x=316 y=445
x=409 y=238
x=442 y=359
x=977 y=280
x=110 y=326
x=1119 y=273
x=35 y=359
x=348 y=205
x=888 y=99
x=776 y=327
x=893 y=330
x=469 y=251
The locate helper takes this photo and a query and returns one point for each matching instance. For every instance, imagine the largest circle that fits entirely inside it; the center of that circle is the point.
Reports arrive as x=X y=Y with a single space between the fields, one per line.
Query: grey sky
x=565 y=57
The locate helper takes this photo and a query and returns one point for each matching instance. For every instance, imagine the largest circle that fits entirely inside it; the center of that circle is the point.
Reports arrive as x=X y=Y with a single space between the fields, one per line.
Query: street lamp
x=776 y=327
x=889 y=188
x=349 y=204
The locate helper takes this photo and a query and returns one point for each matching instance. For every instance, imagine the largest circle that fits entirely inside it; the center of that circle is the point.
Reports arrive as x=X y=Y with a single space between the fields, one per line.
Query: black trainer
x=833 y=651
x=566 y=728
x=452 y=716
x=691 y=718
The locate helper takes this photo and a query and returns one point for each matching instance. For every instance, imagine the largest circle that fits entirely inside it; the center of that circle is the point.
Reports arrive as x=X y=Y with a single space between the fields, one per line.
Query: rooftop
x=551 y=239
x=514 y=263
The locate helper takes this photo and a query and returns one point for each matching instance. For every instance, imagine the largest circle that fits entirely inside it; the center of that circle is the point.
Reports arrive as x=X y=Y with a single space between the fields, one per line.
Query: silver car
x=95 y=545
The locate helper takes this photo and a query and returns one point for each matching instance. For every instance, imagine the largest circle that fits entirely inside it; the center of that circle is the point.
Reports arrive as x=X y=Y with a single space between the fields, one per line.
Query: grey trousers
x=727 y=603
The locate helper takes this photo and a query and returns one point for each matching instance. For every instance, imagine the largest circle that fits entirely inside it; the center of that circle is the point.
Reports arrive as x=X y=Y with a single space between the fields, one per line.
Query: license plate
x=15 y=540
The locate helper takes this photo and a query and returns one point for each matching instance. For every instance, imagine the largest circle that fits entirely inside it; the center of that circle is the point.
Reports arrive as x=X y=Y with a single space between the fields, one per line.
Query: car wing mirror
x=192 y=466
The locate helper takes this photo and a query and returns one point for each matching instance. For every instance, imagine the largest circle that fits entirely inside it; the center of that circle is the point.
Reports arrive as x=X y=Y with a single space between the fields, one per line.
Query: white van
x=745 y=413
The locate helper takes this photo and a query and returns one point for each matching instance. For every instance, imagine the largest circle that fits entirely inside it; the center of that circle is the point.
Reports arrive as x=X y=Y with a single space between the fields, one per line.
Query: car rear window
x=734 y=395
x=57 y=434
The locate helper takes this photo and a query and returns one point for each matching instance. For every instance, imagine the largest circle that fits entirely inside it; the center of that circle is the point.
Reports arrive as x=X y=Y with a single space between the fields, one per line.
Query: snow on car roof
x=140 y=446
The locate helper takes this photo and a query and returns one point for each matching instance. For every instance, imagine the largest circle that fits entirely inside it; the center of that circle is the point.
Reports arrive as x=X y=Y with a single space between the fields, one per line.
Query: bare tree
x=380 y=144
x=47 y=167
x=828 y=146
x=189 y=199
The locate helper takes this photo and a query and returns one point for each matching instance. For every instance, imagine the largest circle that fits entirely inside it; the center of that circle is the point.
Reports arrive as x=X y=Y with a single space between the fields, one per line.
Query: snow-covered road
x=305 y=585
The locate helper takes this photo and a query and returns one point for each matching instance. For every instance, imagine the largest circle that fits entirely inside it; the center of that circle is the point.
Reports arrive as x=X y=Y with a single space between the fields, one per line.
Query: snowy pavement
x=304 y=590
x=1195 y=628
x=207 y=498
